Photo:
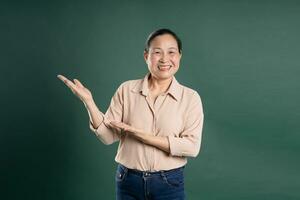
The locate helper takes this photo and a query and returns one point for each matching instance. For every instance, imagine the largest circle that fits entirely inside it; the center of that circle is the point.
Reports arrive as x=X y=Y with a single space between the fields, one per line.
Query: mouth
x=164 y=67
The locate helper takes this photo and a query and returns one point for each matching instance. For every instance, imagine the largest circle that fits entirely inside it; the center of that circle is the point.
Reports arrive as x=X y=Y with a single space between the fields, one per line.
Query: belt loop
x=124 y=168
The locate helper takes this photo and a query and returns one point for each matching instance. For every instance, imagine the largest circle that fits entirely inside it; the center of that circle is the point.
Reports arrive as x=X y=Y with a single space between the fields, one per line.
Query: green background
x=241 y=56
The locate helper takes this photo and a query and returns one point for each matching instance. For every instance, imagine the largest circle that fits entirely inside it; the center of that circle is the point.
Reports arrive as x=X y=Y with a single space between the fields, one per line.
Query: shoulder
x=188 y=90
x=130 y=85
x=191 y=98
x=189 y=93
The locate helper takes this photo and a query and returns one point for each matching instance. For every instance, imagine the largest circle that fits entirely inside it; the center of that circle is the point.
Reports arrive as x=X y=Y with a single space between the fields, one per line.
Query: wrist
x=89 y=103
x=140 y=136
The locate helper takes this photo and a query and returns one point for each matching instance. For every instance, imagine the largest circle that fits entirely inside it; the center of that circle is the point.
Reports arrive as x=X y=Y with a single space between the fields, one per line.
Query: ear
x=146 y=54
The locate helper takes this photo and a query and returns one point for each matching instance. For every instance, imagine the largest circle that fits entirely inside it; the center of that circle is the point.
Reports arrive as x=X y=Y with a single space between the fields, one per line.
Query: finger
x=115 y=124
x=78 y=83
x=61 y=77
x=118 y=125
x=69 y=83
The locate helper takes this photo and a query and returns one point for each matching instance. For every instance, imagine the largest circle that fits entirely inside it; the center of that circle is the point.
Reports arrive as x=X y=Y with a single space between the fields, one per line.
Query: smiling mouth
x=164 y=67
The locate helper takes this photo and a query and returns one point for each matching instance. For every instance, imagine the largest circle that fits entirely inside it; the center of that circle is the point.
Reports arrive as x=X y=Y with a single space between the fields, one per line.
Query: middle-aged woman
x=157 y=121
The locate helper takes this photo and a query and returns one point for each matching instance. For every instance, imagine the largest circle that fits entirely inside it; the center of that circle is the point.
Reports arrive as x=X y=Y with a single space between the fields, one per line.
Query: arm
x=186 y=144
x=95 y=116
x=104 y=131
x=86 y=97
x=159 y=142
x=98 y=121
x=189 y=140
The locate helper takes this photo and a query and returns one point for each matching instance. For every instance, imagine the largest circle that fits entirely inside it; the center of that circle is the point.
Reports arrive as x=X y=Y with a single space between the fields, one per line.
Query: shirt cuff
x=104 y=121
x=174 y=149
x=183 y=147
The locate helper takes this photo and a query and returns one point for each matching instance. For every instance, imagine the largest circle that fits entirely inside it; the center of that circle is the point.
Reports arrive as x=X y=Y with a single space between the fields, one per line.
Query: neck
x=160 y=85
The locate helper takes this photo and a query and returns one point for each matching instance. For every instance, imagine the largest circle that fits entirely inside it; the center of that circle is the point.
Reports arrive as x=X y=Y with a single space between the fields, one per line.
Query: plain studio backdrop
x=241 y=56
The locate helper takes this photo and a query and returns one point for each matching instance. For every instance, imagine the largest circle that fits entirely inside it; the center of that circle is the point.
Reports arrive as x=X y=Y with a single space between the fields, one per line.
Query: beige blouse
x=177 y=114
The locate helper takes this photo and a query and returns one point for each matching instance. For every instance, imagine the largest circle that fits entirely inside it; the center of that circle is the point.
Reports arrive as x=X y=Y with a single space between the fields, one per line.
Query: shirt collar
x=174 y=89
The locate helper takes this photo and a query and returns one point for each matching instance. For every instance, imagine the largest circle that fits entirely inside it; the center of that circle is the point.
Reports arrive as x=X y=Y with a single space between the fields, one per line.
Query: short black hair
x=159 y=32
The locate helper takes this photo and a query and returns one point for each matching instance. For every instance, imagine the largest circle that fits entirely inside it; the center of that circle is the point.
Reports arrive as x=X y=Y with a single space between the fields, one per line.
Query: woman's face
x=163 y=57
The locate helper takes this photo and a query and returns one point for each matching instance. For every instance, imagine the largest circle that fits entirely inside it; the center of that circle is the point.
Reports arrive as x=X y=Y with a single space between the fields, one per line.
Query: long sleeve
x=104 y=132
x=189 y=141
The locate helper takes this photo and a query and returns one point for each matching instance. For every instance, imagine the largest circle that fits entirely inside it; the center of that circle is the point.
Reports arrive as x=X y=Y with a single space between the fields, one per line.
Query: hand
x=77 y=88
x=160 y=142
x=124 y=127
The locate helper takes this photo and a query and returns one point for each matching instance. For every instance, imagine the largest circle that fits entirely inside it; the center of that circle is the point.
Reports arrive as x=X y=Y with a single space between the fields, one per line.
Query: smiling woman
x=157 y=121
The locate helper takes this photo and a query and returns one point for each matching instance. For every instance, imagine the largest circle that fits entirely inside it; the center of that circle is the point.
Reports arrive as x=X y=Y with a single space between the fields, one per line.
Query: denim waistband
x=149 y=173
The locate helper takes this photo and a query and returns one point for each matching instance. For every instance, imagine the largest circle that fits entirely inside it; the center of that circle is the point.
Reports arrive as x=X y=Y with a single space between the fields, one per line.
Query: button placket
x=151 y=153
x=150 y=105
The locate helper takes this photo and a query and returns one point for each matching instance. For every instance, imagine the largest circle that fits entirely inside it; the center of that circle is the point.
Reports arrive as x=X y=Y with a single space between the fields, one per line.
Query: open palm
x=77 y=88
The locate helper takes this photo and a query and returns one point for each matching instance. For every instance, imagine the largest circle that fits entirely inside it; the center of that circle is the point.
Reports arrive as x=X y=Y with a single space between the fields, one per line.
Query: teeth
x=164 y=67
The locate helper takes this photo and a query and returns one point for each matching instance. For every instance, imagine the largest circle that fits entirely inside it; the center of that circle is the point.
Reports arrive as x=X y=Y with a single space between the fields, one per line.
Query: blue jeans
x=164 y=185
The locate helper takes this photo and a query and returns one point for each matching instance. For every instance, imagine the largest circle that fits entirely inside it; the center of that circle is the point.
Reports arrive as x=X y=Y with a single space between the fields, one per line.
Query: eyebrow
x=168 y=48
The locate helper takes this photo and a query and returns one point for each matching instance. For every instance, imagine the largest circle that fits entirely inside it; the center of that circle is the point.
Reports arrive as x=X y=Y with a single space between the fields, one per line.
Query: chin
x=164 y=75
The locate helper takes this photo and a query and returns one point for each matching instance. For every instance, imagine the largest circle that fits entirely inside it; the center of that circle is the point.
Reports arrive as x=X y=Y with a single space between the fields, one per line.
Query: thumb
x=78 y=83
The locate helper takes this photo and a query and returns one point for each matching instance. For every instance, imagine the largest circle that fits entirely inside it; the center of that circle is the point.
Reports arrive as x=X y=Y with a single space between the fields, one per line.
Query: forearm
x=95 y=114
x=159 y=142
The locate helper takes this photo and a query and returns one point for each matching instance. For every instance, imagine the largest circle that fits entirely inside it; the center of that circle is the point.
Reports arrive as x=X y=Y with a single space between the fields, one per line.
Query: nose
x=164 y=58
